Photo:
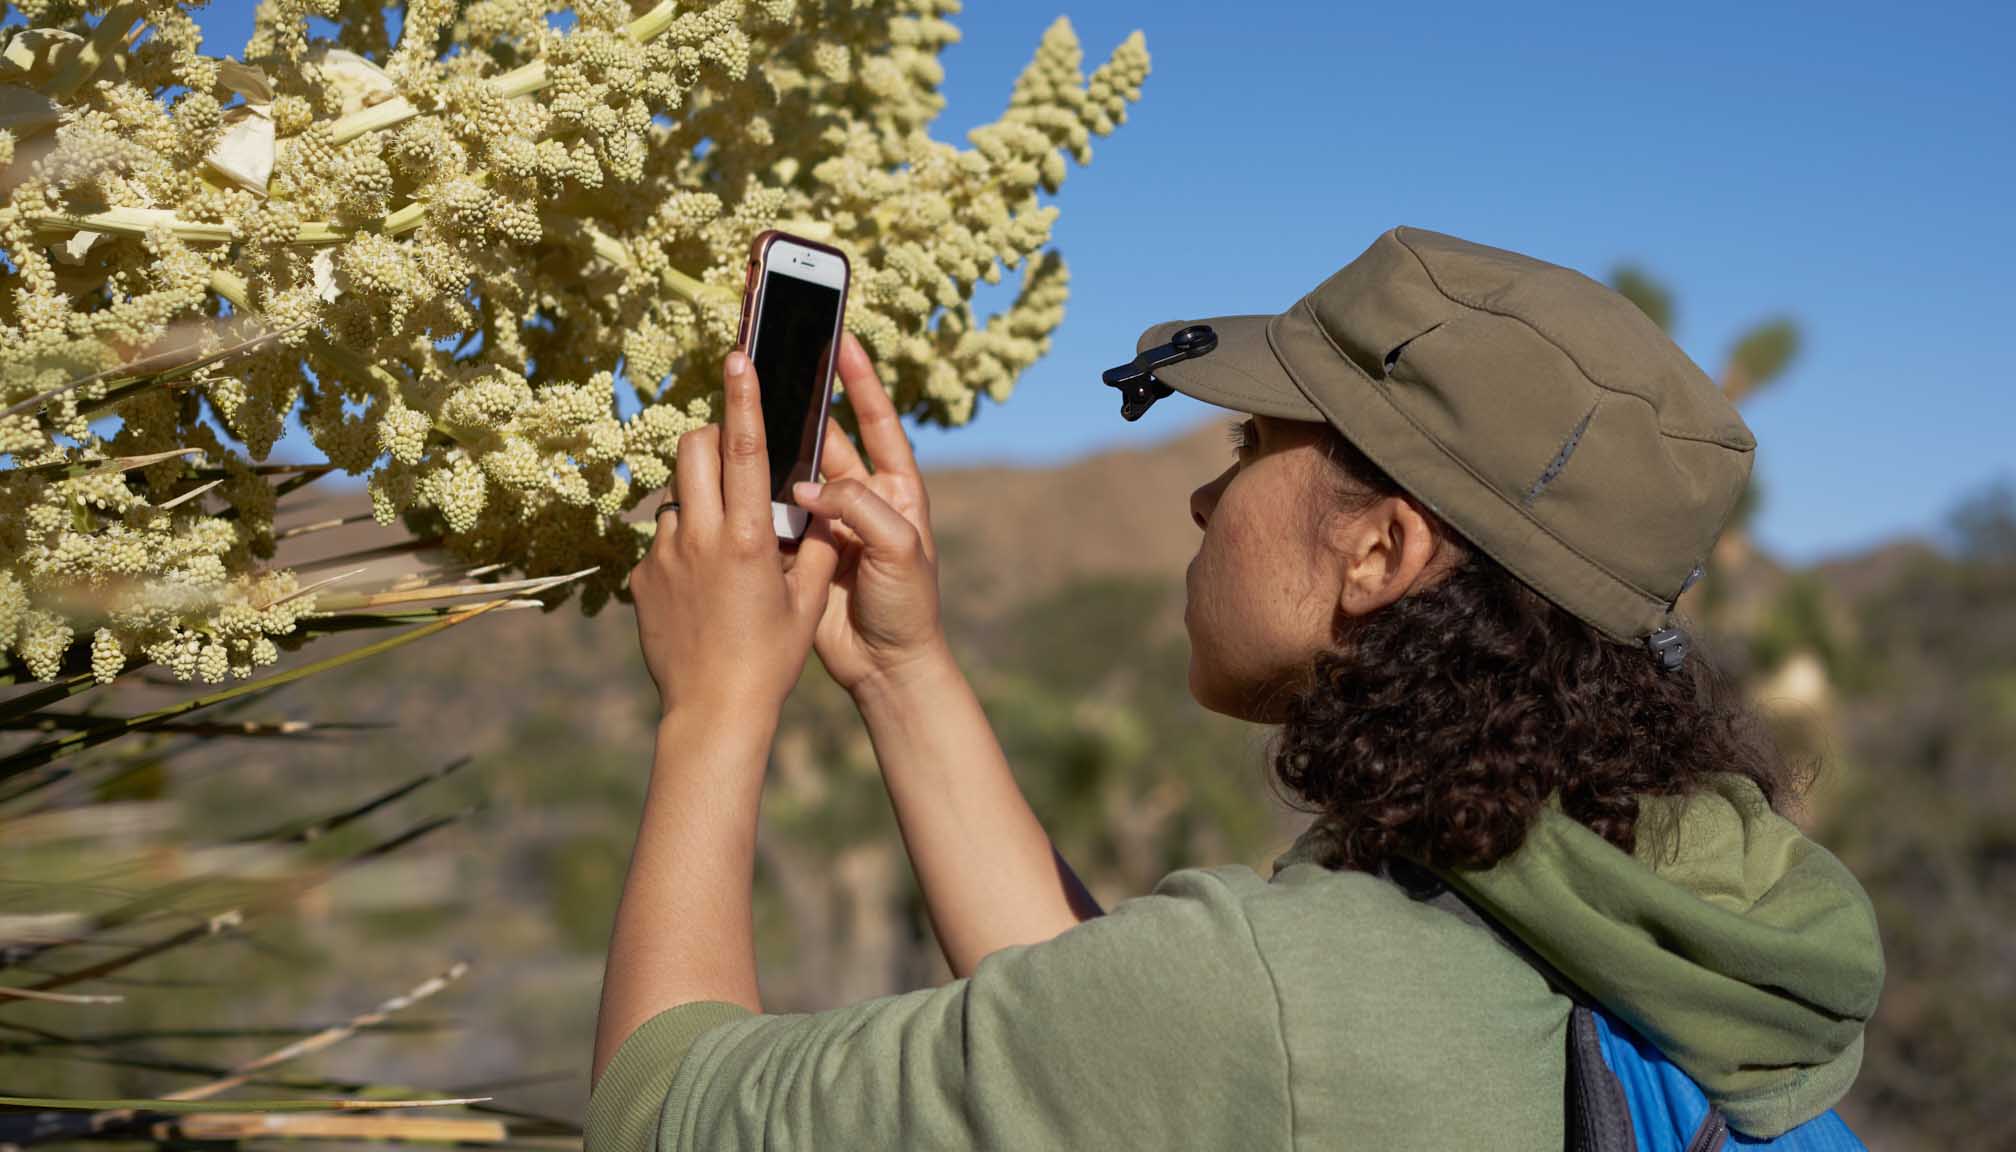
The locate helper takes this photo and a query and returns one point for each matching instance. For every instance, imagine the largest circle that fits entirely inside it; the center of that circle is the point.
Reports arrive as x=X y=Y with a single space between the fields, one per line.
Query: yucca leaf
x=150 y=751
x=421 y=1129
x=301 y=479
x=165 y=896
x=36 y=756
x=7 y=993
x=297 y=1082
x=28 y=703
x=304 y=830
x=185 y=497
x=314 y=626
x=325 y=1038
x=368 y=600
x=321 y=526
x=267 y=469
x=231 y=918
x=156 y=370
x=52 y=1044
x=150 y=1104
x=244 y=729
x=396 y=548
x=72 y=469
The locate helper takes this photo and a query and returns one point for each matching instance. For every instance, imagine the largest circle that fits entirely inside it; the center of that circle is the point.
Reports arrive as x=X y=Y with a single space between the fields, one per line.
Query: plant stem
x=80 y=67
x=518 y=82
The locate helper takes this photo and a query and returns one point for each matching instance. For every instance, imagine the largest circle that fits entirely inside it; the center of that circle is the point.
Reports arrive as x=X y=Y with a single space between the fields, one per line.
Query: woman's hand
x=883 y=612
x=725 y=622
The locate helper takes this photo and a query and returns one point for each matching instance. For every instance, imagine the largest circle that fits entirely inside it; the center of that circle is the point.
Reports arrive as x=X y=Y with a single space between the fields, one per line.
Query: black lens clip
x=1136 y=379
x=1669 y=647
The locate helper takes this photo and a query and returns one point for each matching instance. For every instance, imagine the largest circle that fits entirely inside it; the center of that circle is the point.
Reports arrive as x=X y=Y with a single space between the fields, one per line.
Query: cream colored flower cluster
x=493 y=266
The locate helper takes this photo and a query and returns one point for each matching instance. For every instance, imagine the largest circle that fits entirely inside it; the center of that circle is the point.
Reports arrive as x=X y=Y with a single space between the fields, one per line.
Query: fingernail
x=804 y=490
x=737 y=363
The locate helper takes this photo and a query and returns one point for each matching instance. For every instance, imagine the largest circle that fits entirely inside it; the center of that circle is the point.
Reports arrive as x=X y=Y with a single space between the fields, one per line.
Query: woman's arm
x=1087 y=1040
x=990 y=875
x=684 y=928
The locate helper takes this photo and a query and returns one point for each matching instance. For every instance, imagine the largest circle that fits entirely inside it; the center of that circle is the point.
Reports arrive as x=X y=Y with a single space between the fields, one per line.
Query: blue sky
x=1847 y=164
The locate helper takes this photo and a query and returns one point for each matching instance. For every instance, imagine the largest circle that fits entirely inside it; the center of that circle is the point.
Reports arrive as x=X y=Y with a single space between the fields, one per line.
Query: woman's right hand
x=882 y=614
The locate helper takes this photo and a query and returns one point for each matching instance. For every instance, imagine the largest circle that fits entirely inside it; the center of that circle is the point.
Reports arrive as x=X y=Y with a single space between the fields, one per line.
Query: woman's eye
x=1237 y=432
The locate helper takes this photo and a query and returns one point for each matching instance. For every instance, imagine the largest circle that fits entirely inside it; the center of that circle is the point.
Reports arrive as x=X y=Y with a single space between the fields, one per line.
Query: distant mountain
x=1010 y=534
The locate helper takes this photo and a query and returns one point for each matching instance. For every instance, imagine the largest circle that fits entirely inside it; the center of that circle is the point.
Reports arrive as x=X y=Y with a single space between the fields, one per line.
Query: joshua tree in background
x=1790 y=644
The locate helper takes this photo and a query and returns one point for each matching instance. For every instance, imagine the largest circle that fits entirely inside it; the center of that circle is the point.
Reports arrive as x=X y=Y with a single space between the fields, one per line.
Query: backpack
x=1623 y=1094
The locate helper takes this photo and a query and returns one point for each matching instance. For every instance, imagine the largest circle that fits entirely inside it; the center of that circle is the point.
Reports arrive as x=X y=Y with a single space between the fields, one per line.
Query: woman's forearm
x=684 y=928
x=989 y=873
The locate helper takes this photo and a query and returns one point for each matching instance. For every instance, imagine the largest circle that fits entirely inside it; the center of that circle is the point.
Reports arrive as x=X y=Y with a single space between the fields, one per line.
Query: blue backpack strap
x=1599 y=1107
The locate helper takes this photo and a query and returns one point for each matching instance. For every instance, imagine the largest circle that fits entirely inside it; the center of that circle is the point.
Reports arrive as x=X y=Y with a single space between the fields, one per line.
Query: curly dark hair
x=1435 y=729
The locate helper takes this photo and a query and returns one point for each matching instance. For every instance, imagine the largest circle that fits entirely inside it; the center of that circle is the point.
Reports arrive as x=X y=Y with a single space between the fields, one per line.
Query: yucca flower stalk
x=493 y=267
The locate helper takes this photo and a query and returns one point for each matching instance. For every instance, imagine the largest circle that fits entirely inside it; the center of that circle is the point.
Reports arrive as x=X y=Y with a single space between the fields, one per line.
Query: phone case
x=788 y=519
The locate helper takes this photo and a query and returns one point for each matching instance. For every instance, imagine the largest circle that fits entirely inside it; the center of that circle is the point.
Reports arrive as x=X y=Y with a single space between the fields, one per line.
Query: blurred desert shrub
x=1929 y=826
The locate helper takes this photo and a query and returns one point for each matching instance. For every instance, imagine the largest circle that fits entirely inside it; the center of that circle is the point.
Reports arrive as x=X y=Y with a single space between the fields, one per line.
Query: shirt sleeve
x=1155 y=1025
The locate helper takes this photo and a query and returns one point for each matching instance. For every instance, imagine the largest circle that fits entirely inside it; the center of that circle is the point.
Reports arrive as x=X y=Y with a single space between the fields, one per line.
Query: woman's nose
x=1205 y=498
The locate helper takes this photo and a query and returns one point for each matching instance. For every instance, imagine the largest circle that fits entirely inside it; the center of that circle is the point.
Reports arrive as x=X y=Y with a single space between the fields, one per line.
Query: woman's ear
x=1384 y=551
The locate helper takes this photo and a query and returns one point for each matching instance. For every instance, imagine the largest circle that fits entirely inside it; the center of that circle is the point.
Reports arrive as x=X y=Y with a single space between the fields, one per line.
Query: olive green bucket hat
x=1536 y=411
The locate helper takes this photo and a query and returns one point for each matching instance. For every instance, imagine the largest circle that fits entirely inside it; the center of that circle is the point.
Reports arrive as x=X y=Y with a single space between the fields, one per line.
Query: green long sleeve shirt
x=1311 y=1009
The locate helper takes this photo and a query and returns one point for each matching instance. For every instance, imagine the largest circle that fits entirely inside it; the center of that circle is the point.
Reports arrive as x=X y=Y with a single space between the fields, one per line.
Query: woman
x=1471 y=487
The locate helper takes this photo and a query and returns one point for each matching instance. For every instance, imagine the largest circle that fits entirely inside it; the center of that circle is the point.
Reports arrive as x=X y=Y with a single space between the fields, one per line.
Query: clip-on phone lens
x=1136 y=379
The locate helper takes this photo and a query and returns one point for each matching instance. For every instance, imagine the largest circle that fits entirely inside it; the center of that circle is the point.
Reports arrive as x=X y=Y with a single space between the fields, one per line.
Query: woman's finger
x=839 y=461
x=837 y=458
x=745 y=457
x=810 y=573
x=881 y=428
x=698 y=478
x=883 y=530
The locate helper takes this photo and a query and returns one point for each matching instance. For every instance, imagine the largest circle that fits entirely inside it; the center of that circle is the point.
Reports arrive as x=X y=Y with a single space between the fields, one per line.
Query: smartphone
x=792 y=305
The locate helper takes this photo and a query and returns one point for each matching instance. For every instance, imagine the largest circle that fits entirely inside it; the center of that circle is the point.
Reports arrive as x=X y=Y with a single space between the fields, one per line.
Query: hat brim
x=1241 y=373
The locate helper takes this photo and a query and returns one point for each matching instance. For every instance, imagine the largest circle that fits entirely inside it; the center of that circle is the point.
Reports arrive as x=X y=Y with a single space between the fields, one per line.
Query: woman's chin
x=1203 y=689
x=1196 y=683
x=1213 y=695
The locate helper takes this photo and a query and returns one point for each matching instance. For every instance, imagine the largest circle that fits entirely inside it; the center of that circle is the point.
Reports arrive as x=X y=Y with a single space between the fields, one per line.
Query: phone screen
x=793 y=345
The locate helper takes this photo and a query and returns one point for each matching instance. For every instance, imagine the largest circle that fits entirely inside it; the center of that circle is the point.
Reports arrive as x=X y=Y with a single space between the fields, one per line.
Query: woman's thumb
x=883 y=530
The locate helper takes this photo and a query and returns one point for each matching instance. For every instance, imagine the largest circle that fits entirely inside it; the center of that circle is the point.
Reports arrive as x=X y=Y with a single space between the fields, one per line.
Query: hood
x=1746 y=952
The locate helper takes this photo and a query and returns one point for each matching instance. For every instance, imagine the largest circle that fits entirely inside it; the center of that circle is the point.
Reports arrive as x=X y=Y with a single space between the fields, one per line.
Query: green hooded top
x=1317 y=1008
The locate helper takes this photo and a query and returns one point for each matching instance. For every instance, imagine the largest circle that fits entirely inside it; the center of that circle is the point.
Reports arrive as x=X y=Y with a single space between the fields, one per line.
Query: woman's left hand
x=725 y=616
